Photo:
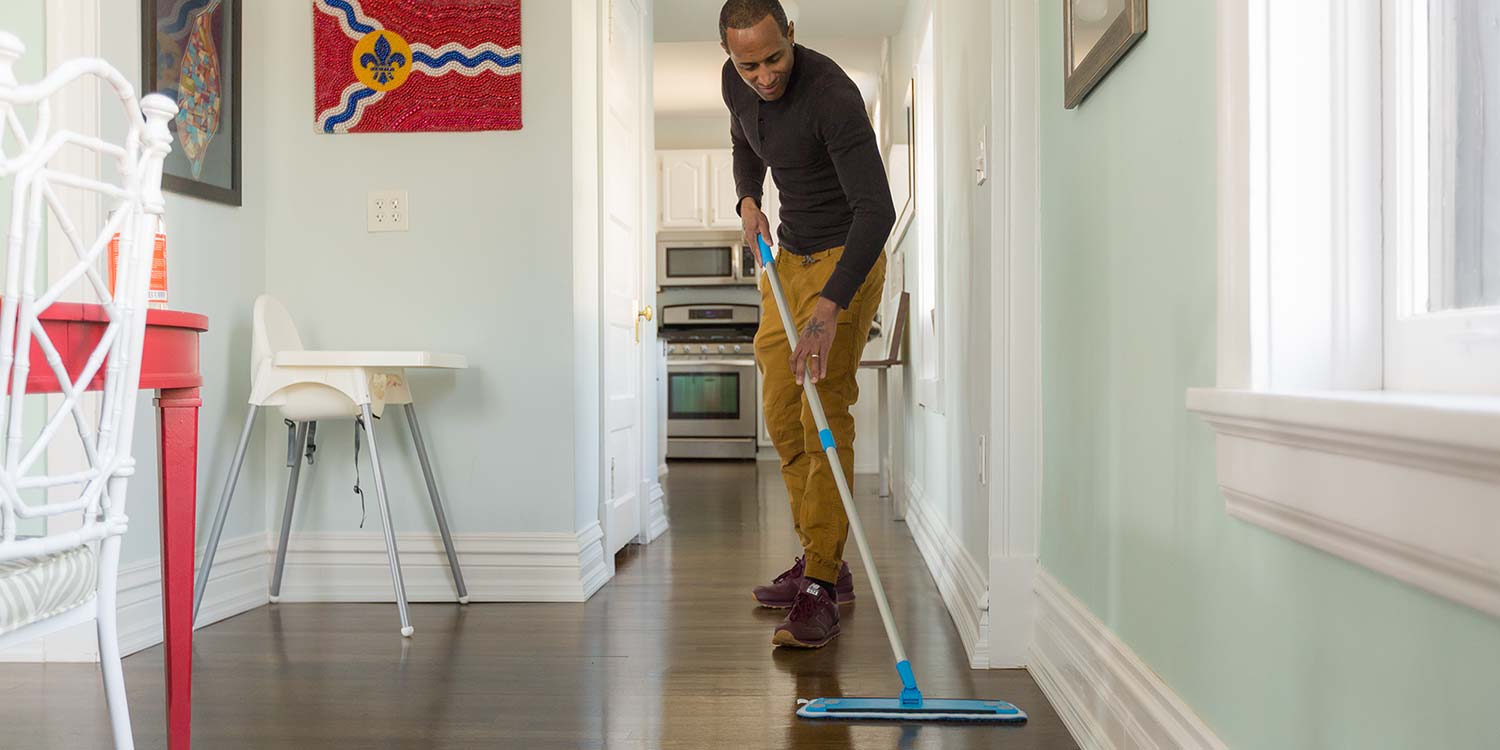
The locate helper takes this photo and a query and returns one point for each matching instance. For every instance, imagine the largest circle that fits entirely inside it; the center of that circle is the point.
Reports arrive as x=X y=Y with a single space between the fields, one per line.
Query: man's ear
x=791 y=31
x=724 y=46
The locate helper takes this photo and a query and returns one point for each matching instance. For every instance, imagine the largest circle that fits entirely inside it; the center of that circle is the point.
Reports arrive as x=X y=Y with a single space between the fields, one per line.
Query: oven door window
x=700 y=263
x=703 y=395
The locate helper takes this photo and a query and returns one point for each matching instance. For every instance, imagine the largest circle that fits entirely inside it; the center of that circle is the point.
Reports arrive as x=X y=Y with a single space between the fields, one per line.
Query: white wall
x=692 y=131
x=487 y=270
x=937 y=455
x=940 y=450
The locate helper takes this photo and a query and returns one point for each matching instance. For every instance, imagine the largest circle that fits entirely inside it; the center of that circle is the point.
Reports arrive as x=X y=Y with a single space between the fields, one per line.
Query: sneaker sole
x=786 y=639
x=788 y=605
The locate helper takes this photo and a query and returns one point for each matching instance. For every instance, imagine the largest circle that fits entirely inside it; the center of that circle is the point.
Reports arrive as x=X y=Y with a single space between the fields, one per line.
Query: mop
x=911 y=706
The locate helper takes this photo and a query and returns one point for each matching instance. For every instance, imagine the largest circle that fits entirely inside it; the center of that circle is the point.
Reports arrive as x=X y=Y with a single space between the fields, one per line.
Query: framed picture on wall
x=190 y=51
x=1096 y=34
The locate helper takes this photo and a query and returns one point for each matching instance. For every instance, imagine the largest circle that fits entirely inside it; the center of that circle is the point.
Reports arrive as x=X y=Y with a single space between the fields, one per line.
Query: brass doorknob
x=646 y=313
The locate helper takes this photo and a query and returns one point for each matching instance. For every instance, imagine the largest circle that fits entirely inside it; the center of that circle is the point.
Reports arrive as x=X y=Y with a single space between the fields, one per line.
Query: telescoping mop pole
x=910 y=705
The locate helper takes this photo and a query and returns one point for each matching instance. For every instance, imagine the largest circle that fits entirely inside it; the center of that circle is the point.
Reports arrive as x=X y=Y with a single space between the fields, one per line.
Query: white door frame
x=652 y=507
x=1015 y=393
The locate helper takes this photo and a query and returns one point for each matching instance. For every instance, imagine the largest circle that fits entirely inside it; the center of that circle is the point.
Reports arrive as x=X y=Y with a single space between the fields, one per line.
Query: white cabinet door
x=722 y=192
x=684 y=188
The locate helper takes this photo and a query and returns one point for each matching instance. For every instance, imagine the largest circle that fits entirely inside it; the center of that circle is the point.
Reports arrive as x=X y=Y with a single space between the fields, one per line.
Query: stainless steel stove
x=711 y=380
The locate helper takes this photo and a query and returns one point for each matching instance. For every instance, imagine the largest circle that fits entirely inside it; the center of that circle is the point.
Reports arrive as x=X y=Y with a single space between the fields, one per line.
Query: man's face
x=763 y=56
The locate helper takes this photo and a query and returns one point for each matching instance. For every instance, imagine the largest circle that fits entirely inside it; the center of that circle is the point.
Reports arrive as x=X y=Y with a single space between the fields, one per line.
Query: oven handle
x=710 y=362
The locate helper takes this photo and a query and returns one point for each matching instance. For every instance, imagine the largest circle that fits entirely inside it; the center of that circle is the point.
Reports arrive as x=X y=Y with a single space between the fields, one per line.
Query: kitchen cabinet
x=697 y=191
x=683 y=193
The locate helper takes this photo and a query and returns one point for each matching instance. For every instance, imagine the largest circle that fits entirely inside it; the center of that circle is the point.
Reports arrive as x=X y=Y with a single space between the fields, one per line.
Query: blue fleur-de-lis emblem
x=383 y=63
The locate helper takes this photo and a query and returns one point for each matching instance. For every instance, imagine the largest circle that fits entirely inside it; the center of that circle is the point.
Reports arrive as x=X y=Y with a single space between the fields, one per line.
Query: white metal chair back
x=133 y=193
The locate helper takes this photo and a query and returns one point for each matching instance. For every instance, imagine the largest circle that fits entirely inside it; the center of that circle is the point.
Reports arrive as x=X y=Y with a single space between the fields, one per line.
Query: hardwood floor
x=673 y=653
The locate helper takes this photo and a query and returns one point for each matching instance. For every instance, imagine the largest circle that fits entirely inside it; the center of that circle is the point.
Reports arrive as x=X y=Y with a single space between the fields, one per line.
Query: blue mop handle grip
x=765 y=252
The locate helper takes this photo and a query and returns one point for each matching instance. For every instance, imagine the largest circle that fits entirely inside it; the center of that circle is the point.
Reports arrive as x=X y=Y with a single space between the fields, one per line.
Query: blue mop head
x=861 y=709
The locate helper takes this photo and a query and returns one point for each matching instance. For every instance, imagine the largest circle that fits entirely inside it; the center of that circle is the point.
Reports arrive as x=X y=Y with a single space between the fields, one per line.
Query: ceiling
x=687 y=82
x=698 y=20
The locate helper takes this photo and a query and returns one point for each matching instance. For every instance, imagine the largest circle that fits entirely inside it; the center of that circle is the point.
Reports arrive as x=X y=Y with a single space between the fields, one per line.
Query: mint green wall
x=1274 y=644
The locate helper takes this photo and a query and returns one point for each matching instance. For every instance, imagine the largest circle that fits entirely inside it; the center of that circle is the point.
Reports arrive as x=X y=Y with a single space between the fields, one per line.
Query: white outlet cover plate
x=386 y=211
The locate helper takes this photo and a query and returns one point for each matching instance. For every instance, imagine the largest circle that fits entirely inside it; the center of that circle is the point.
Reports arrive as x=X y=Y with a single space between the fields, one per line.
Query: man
x=796 y=111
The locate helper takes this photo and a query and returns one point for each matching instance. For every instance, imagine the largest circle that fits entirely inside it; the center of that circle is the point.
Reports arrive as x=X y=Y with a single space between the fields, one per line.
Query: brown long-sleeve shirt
x=822 y=152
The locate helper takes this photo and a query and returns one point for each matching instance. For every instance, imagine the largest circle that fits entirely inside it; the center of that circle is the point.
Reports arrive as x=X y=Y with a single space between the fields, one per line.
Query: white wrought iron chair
x=64 y=571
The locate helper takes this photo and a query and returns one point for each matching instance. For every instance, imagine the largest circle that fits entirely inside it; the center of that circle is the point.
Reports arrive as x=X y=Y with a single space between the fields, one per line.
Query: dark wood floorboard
x=671 y=654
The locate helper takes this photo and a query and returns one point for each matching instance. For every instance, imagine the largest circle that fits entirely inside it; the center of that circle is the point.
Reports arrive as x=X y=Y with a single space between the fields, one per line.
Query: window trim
x=1401 y=483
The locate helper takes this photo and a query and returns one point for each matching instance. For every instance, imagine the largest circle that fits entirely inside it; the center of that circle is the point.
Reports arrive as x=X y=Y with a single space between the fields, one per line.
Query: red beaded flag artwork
x=389 y=66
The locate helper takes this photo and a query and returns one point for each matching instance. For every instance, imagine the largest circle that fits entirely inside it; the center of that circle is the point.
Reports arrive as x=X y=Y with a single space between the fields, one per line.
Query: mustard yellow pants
x=817 y=512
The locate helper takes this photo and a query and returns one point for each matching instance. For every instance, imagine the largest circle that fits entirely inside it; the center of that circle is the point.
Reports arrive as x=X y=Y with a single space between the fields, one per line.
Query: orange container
x=157 y=296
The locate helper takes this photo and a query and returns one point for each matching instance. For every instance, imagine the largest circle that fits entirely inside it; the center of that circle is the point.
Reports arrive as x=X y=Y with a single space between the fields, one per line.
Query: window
x=1442 y=163
x=1356 y=405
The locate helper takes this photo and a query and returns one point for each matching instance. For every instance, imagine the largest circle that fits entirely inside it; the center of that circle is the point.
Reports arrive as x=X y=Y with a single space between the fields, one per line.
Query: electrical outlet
x=386 y=211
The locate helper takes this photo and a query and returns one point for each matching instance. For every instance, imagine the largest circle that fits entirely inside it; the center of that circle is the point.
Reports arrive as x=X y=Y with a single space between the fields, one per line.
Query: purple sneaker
x=813 y=621
x=782 y=591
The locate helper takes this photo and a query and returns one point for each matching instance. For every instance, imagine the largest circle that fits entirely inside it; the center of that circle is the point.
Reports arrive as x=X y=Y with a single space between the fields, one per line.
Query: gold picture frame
x=1096 y=34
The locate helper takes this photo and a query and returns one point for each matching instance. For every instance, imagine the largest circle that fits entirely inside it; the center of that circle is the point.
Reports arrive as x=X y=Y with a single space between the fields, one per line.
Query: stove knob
x=722 y=349
x=737 y=348
x=703 y=349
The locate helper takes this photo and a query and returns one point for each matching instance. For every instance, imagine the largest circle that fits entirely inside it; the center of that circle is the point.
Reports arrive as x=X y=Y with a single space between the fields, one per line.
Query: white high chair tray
x=382 y=360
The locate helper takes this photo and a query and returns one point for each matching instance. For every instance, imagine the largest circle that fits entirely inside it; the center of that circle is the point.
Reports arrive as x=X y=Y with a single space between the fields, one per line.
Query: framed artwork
x=190 y=51
x=399 y=66
x=1096 y=34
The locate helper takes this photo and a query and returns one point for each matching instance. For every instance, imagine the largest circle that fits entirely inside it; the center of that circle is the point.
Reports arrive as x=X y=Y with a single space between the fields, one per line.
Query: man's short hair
x=743 y=14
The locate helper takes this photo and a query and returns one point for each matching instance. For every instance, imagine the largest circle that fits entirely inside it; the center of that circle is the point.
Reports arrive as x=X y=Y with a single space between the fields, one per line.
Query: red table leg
x=178 y=434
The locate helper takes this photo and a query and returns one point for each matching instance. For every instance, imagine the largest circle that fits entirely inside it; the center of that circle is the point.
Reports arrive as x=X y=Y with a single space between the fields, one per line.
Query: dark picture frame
x=220 y=179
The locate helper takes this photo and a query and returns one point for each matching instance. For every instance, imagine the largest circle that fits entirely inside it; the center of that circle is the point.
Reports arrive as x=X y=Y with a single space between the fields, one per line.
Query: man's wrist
x=740 y=209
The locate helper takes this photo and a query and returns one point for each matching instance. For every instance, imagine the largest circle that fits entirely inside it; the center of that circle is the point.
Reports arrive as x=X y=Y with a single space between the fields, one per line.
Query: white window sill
x=1405 y=484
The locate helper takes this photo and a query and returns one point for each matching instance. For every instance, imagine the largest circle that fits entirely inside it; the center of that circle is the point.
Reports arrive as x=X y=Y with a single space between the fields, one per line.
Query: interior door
x=624 y=160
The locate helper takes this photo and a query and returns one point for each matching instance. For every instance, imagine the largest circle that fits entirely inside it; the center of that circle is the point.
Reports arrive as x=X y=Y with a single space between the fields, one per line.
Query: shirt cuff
x=741 y=202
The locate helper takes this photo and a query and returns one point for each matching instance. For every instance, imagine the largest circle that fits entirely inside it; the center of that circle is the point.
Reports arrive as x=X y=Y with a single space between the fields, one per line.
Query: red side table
x=169 y=365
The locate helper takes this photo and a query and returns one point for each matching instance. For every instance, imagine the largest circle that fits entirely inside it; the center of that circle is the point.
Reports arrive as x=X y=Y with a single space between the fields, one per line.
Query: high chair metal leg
x=437 y=503
x=300 y=441
x=385 y=521
x=222 y=513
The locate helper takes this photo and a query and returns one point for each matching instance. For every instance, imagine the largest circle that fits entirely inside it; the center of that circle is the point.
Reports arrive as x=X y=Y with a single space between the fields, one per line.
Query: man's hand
x=755 y=222
x=815 y=340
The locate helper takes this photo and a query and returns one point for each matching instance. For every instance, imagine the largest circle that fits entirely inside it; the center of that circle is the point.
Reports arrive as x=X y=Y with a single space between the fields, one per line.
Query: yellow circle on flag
x=382 y=60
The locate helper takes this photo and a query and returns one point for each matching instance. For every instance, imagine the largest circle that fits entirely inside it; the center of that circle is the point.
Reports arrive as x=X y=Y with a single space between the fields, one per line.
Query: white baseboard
x=514 y=567
x=960 y=580
x=656 y=513
x=1106 y=695
x=238 y=584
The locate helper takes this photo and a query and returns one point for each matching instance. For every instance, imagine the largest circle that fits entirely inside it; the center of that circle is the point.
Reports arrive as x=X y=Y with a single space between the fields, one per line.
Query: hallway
x=672 y=653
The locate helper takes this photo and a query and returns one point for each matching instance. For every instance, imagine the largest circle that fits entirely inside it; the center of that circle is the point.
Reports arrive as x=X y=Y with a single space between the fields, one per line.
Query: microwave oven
x=705 y=263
